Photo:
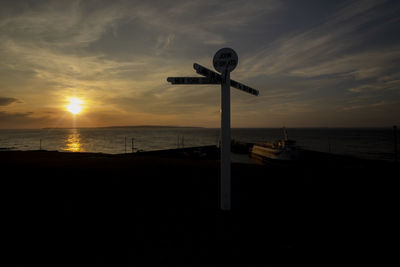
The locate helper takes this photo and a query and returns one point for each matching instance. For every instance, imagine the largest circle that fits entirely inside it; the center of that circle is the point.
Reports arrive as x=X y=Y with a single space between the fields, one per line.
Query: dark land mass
x=122 y=210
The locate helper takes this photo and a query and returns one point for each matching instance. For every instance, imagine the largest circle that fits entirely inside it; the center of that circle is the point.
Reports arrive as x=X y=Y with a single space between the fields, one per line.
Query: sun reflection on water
x=73 y=142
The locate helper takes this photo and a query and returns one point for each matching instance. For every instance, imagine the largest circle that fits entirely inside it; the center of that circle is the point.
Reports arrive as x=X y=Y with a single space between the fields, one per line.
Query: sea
x=370 y=143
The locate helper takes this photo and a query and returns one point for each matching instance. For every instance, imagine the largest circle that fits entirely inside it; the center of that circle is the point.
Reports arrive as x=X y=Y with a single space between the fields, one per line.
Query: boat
x=281 y=151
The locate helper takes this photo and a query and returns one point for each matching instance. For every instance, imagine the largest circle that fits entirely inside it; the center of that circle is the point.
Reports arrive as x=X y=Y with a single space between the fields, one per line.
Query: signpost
x=217 y=77
x=191 y=80
x=224 y=61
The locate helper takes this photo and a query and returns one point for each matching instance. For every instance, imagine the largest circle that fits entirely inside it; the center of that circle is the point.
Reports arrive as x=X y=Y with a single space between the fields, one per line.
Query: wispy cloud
x=368 y=106
x=380 y=85
x=4 y=101
x=337 y=47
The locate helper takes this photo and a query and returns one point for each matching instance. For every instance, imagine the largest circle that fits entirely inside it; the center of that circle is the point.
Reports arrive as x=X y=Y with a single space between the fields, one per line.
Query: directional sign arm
x=191 y=80
x=217 y=77
x=244 y=88
x=206 y=72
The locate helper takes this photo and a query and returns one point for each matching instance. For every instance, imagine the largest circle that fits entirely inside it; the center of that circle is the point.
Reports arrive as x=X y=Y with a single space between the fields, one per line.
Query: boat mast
x=285 y=136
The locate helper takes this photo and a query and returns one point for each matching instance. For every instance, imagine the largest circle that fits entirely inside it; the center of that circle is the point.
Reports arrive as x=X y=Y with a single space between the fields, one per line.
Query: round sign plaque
x=225 y=59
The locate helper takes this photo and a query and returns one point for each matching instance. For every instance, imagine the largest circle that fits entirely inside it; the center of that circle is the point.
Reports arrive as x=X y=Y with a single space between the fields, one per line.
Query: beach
x=90 y=208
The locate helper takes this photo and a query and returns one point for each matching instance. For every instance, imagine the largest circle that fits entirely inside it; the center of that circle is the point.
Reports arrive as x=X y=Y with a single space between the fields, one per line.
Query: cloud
x=4 y=101
x=18 y=120
x=339 y=46
x=369 y=106
x=376 y=86
x=204 y=22
x=360 y=66
x=59 y=24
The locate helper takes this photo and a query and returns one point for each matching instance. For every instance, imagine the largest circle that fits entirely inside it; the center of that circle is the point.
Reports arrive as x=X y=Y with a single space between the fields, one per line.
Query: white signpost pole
x=226 y=141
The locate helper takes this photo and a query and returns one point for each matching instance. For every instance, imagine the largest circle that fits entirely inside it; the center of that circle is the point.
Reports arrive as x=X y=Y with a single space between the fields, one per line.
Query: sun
x=75 y=105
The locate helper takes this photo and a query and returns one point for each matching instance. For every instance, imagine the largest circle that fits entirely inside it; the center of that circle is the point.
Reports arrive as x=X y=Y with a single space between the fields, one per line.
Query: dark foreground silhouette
x=82 y=208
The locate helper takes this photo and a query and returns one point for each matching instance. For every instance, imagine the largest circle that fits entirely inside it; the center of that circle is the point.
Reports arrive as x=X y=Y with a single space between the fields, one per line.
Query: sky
x=315 y=63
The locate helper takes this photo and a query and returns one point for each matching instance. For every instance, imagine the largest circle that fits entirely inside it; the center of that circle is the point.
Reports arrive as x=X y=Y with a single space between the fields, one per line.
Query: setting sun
x=75 y=105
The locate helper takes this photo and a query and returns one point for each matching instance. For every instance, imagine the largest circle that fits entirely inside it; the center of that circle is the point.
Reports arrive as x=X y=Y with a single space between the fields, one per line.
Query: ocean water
x=373 y=143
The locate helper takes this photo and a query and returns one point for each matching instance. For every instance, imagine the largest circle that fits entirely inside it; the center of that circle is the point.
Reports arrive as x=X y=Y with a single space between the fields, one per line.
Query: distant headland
x=150 y=126
x=128 y=126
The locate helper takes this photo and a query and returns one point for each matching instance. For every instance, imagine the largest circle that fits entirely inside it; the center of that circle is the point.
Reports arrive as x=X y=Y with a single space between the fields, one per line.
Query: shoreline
x=212 y=152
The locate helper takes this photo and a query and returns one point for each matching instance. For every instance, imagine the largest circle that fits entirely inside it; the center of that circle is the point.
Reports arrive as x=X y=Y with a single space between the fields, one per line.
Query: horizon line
x=175 y=126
